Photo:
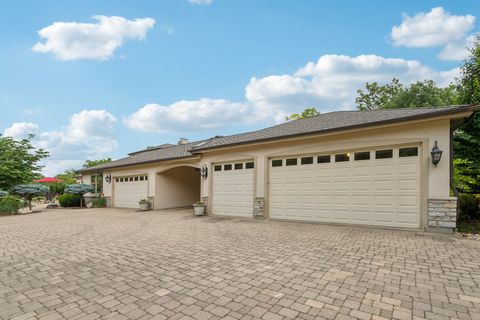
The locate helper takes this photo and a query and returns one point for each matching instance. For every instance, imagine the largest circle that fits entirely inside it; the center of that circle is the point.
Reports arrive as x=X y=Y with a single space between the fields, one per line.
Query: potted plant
x=144 y=205
x=199 y=208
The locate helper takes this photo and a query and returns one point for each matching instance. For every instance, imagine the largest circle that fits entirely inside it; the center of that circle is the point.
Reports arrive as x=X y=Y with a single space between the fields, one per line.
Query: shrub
x=468 y=207
x=99 y=203
x=69 y=200
x=3 y=193
x=10 y=205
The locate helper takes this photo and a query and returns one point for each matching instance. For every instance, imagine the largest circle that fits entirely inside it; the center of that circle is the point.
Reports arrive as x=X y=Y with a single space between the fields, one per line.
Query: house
x=348 y=167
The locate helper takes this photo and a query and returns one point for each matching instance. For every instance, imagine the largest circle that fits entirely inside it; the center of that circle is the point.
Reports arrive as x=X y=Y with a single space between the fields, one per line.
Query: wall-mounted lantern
x=204 y=171
x=108 y=178
x=436 y=154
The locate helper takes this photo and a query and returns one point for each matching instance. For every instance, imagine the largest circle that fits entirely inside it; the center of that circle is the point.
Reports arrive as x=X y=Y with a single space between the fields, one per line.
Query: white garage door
x=129 y=190
x=372 y=187
x=233 y=189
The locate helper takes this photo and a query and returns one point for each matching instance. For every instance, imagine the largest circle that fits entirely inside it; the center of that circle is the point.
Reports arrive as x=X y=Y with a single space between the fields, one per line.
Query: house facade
x=369 y=168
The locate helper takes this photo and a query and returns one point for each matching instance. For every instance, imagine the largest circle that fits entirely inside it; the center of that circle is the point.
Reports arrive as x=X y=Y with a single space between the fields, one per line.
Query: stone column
x=442 y=214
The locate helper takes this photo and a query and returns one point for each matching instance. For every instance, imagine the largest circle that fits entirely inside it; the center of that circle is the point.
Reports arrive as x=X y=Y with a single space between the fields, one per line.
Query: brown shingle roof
x=333 y=121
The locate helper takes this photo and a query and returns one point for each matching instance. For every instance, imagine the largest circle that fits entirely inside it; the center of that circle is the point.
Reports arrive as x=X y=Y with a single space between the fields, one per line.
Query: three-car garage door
x=372 y=187
x=233 y=189
x=129 y=190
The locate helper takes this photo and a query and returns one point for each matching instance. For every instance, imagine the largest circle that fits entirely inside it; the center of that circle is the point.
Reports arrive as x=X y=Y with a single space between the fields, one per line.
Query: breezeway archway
x=177 y=187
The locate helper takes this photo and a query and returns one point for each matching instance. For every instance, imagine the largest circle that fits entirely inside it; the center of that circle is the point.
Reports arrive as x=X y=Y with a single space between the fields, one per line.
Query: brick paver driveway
x=121 y=264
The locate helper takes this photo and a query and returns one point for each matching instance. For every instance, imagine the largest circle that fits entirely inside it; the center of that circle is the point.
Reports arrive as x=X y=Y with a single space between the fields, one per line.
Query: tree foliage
x=93 y=163
x=420 y=94
x=68 y=177
x=307 y=113
x=30 y=191
x=19 y=161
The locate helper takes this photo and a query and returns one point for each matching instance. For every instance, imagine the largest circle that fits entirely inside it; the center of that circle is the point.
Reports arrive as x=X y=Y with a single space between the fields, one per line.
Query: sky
x=93 y=79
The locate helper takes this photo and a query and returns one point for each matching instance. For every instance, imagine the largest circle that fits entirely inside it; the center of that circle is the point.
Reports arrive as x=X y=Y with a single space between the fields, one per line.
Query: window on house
x=364 y=155
x=408 y=152
x=217 y=168
x=131 y=178
x=238 y=166
x=136 y=178
x=249 y=165
x=146 y=177
x=141 y=178
x=342 y=157
x=384 y=154
x=277 y=163
x=227 y=167
x=291 y=162
x=306 y=160
x=323 y=159
x=116 y=179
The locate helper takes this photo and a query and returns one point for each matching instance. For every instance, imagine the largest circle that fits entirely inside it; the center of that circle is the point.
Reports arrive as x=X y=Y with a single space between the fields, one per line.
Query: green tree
x=467 y=139
x=420 y=94
x=307 y=113
x=30 y=191
x=68 y=177
x=79 y=189
x=93 y=163
x=19 y=161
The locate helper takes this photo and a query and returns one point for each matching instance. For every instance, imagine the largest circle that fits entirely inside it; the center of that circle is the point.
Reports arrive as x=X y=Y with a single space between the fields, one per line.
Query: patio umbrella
x=47 y=180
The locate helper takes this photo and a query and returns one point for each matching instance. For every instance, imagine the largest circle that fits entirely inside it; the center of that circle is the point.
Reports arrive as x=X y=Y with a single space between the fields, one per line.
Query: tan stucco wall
x=435 y=179
x=177 y=187
x=424 y=132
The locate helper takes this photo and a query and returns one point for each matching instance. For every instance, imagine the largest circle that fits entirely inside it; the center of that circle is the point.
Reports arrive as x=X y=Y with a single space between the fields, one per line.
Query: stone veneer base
x=442 y=214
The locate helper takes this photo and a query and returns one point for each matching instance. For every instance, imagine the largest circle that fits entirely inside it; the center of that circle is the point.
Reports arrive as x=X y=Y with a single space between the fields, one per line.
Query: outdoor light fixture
x=108 y=178
x=204 y=171
x=436 y=154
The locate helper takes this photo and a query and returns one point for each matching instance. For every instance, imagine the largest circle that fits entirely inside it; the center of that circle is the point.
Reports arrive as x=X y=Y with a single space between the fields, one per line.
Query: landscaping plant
x=79 y=189
x=10 y=204
x=30 y=191
x=69 y=200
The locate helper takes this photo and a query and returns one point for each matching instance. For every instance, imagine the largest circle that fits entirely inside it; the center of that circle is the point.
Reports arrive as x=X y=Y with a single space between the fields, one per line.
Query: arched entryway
x=177 y=187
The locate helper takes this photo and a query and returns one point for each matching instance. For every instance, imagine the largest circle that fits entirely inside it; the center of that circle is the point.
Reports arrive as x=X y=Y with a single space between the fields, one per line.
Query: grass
x=469 y=226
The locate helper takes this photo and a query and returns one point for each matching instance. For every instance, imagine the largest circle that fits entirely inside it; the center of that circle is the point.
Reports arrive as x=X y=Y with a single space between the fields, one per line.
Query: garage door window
x=141 y=178
x=227 y=167
x=323 y=159
x=408 y=152
x=384 y=154
x=342 y=157
x=277 y=163
x=238 y=166
x=307 y=160
x=291 y=162
x=365 y=155
x=218 y=168
x=249 y=165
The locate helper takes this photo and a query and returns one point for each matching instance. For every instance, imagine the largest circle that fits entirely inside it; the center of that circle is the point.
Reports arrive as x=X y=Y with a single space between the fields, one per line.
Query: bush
x=99 y=203
x=10 y=205
x=468 y=207
x=69 y=200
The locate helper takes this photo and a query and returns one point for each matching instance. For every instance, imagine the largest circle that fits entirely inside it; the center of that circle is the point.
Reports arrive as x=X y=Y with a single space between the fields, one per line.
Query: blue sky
x=149 y=72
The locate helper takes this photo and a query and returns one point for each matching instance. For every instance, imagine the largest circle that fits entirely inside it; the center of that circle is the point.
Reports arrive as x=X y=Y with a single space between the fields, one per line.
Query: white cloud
x=436 y=28
x=89 y=135
x=96 y=41
x=328 y=84
x=21 y=130
x=458 y=50
x=201 y=2
x=187 y=115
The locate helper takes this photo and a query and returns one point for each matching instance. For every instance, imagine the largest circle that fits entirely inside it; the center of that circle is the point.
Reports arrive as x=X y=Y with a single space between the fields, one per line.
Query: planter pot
x=144 y=206
x=199 y=209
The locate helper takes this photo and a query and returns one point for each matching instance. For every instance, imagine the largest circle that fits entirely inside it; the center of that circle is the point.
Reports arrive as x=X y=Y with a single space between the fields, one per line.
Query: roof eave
x=461 y=109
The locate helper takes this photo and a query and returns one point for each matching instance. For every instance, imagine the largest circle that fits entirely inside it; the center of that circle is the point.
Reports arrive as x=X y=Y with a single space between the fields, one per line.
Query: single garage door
x=378 y=187
x=129 y=190
x=233 y=189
